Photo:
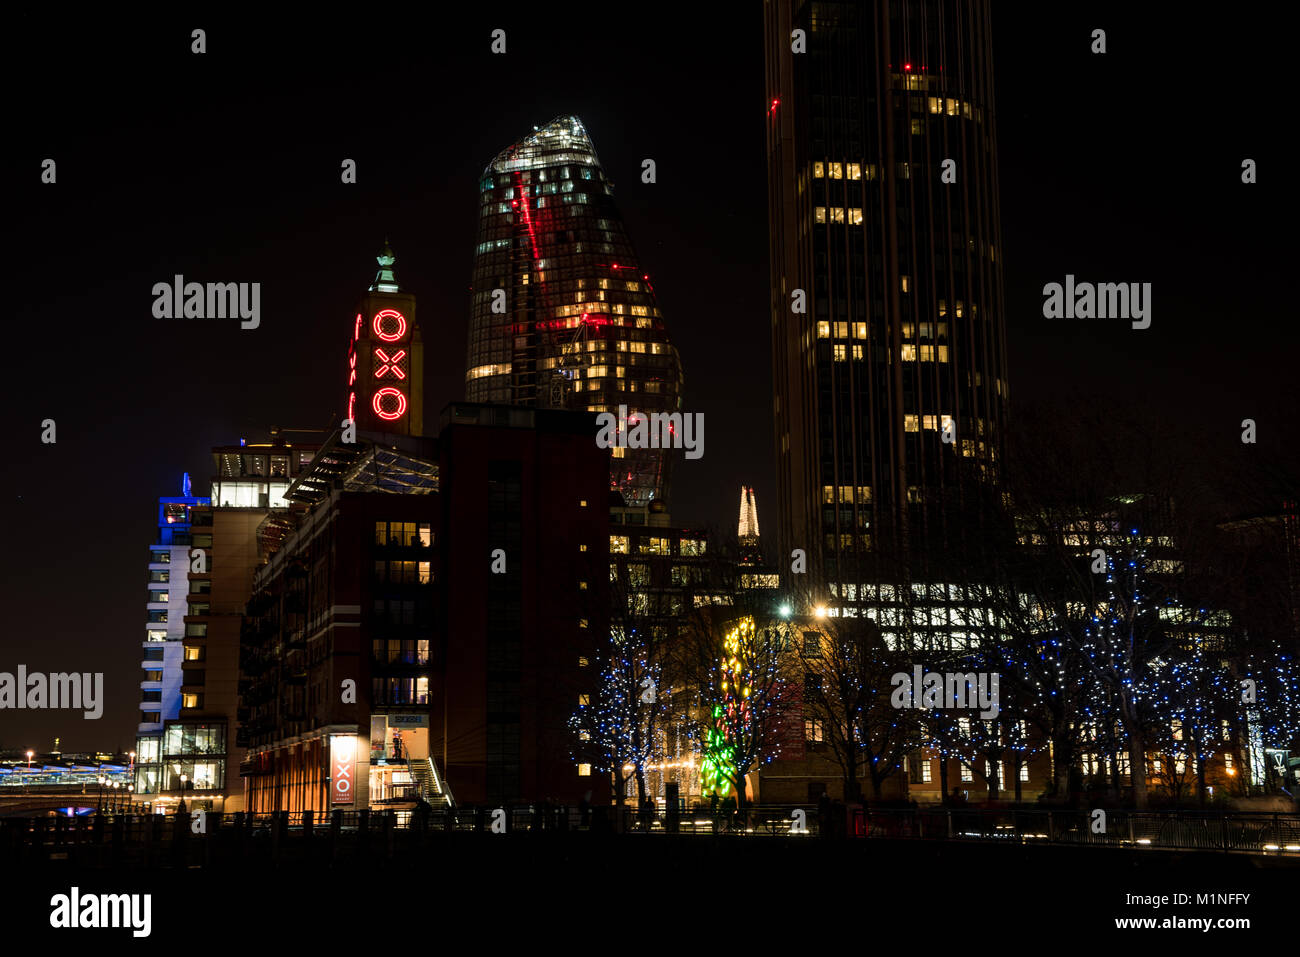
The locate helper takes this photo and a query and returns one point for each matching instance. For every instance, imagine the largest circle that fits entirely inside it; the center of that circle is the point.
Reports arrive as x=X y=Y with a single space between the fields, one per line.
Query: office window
x=191 y=699
x=823 y=330
x=819 y=214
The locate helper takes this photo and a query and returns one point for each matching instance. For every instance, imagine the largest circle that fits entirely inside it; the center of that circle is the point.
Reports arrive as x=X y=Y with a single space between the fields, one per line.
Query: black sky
x=225 y=167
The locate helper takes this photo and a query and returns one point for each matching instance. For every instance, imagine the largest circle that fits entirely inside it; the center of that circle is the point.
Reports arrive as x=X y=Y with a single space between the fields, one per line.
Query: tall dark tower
x=385 y=384
x=562 y=315
x=883 y=197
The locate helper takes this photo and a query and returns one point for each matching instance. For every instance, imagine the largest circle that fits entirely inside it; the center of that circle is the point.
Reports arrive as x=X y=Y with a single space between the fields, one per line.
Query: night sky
x=225 y=167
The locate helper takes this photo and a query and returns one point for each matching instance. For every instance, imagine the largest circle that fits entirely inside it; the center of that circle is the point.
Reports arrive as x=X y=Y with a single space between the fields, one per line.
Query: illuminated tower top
x=385 y=386
x=748 y=529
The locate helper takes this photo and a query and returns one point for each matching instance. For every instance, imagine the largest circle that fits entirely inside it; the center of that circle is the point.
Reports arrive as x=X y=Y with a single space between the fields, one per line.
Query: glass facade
x=562 y=315
x=891 y=388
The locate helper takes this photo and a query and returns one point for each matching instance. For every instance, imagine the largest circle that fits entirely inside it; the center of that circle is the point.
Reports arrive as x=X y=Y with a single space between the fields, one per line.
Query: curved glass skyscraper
x=562 y=315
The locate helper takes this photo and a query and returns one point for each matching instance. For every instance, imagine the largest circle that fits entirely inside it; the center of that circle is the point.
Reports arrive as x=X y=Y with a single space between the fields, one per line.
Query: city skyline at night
x=395 y=346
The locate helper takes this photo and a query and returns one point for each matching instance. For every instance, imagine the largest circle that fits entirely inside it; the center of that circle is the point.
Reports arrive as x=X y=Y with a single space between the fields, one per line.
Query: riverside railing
x=135 y=840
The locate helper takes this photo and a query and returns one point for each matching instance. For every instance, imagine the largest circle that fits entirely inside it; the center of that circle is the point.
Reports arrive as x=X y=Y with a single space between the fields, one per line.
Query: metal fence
x=127 y=840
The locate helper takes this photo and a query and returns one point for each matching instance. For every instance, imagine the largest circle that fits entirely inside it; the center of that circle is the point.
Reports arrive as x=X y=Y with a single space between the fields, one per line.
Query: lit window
x=837 y=214
x=1024 y=772
x=966 y=775
x=618 y=544
x=828 y=494
x=925 y=772
x=584 y=770
x=855 y=217
x=819 y=170
x=930 y=421
x=855 y=171
x=189 y=700
x=943 y=307
x=819 y=214
x=584 y=701
x=857 y=352
x=841 y=330
x=823 y=330
x=909 y=352
x=859 y=330
x=911 y=423
x=835 y=170
x=927 y=353
x=582 y=503
x=582 y=548
x=950 y=107
x=582 y=661
x=906 y=282
x=943 y=353
x=918 y=127
x=936 y=104
x=841 y=353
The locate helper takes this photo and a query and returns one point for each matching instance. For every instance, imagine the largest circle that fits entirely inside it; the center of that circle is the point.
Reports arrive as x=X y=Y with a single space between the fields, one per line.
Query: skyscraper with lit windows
x=889 y=342
x=562 y=313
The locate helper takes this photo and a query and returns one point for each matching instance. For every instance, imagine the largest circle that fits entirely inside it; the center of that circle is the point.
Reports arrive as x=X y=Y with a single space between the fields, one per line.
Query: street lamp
x=180 y=808
x=116 y=792
x=99 y=801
